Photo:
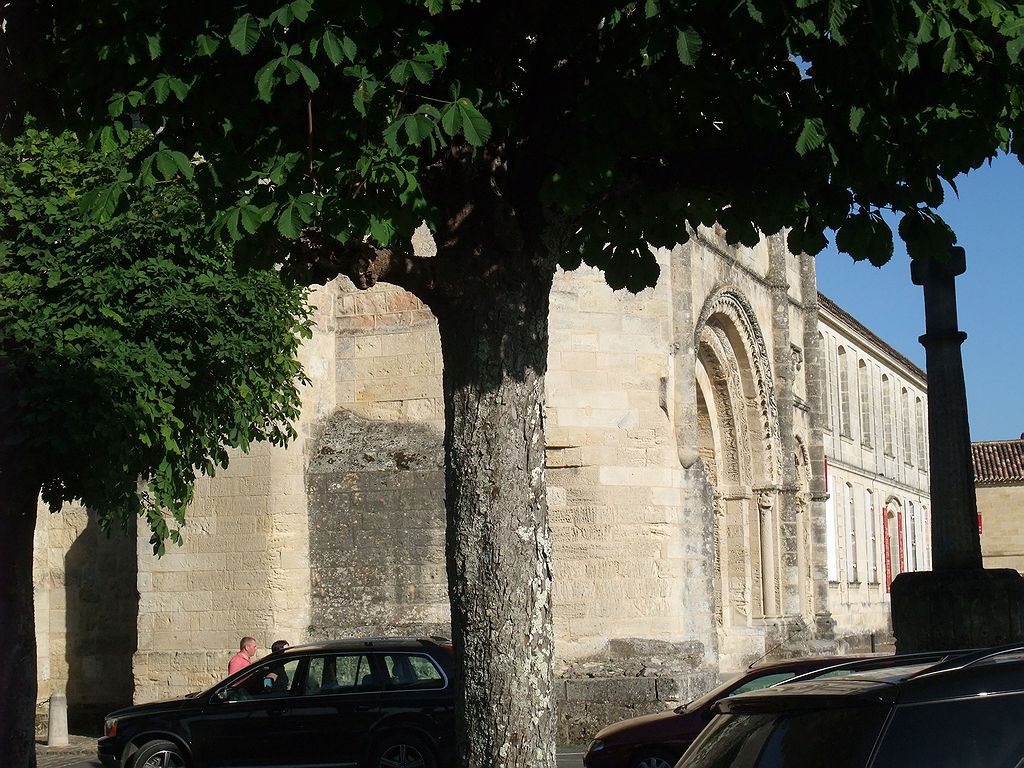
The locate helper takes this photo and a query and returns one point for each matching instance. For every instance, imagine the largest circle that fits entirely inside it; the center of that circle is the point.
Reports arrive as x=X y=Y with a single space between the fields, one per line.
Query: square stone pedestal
x=945 y=610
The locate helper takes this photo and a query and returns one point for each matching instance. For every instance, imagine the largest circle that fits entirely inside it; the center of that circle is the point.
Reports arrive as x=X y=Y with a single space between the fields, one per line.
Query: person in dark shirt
x=276 y=679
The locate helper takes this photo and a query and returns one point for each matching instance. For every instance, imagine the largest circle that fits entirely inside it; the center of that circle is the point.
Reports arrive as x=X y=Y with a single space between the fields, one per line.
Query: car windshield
x=751 y=681
x=792 y=738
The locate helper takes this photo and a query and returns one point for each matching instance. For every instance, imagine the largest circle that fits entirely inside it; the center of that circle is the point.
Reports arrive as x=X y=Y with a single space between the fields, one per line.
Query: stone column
x=956 y=543
x=959 y=604
x=765 y=502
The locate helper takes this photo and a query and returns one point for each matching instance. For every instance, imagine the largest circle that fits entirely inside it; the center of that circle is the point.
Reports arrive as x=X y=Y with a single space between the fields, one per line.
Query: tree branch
x=317 y=259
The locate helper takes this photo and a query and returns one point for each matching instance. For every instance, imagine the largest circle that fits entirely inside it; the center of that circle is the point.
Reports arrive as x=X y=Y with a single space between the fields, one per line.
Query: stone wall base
x=630 y=678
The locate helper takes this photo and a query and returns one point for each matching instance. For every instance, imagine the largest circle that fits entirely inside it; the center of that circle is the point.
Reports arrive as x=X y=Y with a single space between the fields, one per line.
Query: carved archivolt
x=731 y=309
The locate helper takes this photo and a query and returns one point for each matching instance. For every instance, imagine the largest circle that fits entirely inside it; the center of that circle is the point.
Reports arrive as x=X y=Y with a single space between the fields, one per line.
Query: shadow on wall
x=377 y=530
x=100 y=584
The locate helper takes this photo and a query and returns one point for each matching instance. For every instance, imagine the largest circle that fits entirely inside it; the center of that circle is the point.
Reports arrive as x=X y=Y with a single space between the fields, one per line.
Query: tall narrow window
x=922 y=443
x=864 y=385
x=926 y=539
x=844 y=394
x=871 y=535
x=908 y=449
x=826 y=391
x=887 y=416
x=910 y=537
x=851 y=536
x=831 y=548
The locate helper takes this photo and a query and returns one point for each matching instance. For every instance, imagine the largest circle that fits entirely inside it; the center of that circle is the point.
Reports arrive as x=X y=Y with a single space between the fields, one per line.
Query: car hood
x=155 y=707
x=661 y=725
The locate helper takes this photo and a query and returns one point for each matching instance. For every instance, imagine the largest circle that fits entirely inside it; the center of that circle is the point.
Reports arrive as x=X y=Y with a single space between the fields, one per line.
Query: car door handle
x=277 y=711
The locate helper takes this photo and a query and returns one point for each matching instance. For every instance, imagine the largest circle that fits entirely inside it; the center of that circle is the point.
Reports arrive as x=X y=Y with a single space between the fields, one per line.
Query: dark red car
x=657 y=741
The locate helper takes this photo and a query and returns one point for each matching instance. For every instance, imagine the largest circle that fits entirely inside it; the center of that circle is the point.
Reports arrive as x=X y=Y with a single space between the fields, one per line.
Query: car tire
x=159 y=754
x=402 y=750
x=653 y=758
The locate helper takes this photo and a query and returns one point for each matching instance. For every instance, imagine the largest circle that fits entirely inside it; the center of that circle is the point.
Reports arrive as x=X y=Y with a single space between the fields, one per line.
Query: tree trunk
x=498 y=540
x=18 y=494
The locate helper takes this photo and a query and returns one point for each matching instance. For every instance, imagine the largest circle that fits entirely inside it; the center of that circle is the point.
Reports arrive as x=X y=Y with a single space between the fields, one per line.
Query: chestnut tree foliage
x=134 y=352
x=527 y=135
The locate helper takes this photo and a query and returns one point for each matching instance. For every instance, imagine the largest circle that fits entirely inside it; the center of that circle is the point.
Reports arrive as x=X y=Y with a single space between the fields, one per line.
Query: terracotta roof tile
x=998 y=462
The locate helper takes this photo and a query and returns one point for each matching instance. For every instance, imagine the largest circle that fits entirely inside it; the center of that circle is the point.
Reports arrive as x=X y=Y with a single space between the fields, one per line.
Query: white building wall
x=862 y=472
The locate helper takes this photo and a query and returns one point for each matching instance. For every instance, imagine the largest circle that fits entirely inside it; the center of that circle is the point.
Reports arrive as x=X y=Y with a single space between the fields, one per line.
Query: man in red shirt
x=247 y=649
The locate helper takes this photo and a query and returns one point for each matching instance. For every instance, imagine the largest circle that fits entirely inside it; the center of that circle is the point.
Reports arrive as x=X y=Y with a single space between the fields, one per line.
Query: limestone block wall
x=85 y=614
x=1002 y=533
x=627 y=555
x=244 y=566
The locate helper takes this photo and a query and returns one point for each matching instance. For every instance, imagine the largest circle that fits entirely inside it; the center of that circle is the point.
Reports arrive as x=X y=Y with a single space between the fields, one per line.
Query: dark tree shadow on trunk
x=100 y=585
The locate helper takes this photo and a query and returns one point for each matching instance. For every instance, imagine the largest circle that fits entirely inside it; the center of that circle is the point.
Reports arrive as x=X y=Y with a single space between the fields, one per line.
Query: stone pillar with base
x=959 y=604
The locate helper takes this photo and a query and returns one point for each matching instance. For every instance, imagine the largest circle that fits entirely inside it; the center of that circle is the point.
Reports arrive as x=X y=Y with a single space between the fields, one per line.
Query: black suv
x=964 y=712
x=366 y=703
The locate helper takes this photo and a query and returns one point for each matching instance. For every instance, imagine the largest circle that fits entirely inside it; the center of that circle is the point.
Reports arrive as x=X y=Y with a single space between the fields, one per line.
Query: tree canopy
x=808 y=114
x=132 y=348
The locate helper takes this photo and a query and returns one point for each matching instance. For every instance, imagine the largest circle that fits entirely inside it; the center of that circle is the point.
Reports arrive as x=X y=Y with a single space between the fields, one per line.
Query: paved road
x=82 y=754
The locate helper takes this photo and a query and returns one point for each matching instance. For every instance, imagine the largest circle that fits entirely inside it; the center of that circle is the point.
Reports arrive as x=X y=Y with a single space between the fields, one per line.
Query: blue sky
x=988 y=218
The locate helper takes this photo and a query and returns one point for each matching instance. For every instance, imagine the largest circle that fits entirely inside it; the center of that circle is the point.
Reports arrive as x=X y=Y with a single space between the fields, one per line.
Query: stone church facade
x=689 y=428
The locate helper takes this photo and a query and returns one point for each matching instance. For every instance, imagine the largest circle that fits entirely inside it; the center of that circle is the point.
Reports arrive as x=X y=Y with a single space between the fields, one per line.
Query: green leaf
x=401 y=72
x=308 y=75
x=391 y=133
x=865 y=235
x=265 y=79
x=688 y=46
x=950 y=61
x=245 y=34
x=856 y=116
x=382 y=230
x=207 y=45
x=115 y=106
x=451 y=119
x=926 y=234
x=1014 y=48
x=349 y=47
x=422 y=71
x=300 y=9
x=289 y=223
x=812 y=136
x=153 y=44
x=166 y=164
x=475 y=126
x=332 y=47
x=651 y=9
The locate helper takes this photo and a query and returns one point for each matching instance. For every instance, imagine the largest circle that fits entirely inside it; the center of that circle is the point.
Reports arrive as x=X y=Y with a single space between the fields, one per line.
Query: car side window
x=264 y=680
x=339 y=673
x=763 y=682
x=408 y=671
x=979 y=731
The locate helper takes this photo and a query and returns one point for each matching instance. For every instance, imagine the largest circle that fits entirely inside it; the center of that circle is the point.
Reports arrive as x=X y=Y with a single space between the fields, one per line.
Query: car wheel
x=403 y=751
x=653 y=760
x=159 y=754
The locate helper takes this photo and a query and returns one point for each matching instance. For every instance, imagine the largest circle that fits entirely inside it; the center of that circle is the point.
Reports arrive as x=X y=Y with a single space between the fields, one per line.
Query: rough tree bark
x=18 y=494
x=489 y=291
x=498 y=541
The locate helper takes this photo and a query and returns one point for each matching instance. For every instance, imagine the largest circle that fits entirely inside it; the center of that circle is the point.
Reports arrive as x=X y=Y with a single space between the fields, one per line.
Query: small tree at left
x=134 y=353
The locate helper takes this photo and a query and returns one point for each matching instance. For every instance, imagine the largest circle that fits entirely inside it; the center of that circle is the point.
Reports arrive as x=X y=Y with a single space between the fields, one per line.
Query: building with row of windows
x=874 y=434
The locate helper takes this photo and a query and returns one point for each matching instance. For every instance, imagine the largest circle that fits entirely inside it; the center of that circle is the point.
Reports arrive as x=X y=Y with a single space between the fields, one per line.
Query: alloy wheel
x=403 y=756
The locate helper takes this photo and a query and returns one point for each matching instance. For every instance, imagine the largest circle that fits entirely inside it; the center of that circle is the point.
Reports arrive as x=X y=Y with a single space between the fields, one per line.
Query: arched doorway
x=892 y=520
x=738 y=439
